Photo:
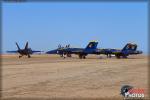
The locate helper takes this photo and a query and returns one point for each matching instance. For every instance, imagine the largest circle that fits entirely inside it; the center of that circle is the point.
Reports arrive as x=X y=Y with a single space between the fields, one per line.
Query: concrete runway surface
x=49 y=76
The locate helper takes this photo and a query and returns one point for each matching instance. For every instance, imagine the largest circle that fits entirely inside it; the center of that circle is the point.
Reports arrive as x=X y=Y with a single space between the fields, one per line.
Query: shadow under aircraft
x=91 y=48
x=26 y=51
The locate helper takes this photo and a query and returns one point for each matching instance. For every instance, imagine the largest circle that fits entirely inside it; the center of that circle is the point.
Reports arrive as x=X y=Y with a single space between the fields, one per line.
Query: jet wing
x=75 y=50
x=12 y=51
x=108 y=51
x=67 y=50
x=52 y=52
x=115 y=51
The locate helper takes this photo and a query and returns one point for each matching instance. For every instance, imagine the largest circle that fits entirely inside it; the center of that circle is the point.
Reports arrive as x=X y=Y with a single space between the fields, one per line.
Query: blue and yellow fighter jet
x=26 y=51
x=129 y=49
x=91 y=48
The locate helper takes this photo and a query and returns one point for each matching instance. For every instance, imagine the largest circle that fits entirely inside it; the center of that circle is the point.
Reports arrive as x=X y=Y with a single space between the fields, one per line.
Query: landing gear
x=64 y=55
x=82 y=56
x=124 y=56
x=29 y=56
x=108 y=55
x=121 y=56
x=25 y=55
x=117 y=56
x=20 y=56
x=69 y=55
x=61 y=55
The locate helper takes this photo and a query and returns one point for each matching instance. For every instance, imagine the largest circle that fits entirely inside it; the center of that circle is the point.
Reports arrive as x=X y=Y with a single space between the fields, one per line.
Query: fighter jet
x=81 y=52
x=129 y=49
x=91 y=48
x=26 y=51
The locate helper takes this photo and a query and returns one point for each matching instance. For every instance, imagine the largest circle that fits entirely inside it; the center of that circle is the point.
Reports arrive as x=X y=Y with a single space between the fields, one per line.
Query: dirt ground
x=49 y=76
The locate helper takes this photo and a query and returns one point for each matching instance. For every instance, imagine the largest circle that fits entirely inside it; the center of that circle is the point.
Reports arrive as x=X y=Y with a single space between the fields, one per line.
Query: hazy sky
x=45 y=25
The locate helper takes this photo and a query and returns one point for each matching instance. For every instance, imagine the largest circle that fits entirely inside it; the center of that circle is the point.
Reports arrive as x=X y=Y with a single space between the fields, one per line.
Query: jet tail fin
x=92 y=45
x=26 y=46
x=130 y=46
x=17 y=46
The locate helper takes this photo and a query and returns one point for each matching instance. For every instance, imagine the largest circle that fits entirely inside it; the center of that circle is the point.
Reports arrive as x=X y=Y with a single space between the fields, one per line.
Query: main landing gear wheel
x=125 y=57
x=69 y=55
x=20 y=56
x=82 y=56
x=29 y=56
x=108 y=55
x=117 y=56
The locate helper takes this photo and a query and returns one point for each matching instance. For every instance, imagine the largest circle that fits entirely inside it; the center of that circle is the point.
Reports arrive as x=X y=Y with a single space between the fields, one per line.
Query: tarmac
x=50 y=76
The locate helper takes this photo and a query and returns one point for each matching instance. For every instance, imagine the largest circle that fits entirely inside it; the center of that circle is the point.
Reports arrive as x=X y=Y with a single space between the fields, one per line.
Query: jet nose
x=47 y=52
x=51 y=52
